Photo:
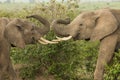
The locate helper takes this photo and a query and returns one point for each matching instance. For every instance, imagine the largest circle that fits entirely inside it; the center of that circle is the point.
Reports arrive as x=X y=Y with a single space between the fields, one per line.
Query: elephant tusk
x=56 y=40
x=42 y=42
x=64 y=38
x=47 y=41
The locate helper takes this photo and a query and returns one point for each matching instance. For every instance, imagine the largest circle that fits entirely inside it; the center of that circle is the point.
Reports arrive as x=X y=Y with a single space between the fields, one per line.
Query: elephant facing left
x=101 y=25
x=18 y=33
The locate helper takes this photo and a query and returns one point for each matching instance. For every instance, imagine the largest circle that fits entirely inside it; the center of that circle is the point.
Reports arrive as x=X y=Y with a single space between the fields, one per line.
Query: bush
x=68 y=60
x=113 y=70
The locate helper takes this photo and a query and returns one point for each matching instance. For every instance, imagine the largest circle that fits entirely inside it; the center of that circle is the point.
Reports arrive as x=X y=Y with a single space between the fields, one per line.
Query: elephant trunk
x=41 y=30
x=60 y=27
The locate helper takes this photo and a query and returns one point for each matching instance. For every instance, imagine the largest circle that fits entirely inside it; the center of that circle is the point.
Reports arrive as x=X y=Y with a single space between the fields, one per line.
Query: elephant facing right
x=18 y=32
x=100 y=25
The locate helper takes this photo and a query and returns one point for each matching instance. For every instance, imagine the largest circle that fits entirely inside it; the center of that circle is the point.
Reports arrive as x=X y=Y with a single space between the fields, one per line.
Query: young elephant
x=18 y=33
x=102 y=25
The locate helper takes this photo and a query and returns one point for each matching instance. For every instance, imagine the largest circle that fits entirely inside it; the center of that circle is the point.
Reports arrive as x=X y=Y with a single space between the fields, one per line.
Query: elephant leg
x=12 y=74
x=6 y=69
x=3 y=66
x=1 y=75
x=8 y=73
x=3 y=72
x=9 y=68
x=106 y=51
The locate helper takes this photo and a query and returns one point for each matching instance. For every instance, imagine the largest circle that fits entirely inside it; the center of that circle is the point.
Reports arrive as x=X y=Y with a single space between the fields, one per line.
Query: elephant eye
x=81 y=24
x=19 y=27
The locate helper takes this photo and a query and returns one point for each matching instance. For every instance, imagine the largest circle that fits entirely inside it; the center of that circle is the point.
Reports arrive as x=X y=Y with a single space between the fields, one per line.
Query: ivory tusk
x=47 y=41
x=56 y=40
x=64 y=38
x=42 y=42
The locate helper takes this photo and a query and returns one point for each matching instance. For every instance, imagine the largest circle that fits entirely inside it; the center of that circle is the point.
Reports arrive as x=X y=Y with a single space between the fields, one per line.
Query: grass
x=96 y=5
x=82 y=6
x=15 y=6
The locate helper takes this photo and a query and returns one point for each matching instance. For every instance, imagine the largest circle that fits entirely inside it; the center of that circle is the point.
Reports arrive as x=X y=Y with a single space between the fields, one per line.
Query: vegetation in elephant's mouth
x=68 y=60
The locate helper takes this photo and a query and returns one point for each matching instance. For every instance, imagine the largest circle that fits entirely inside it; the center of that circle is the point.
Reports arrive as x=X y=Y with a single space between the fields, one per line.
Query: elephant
x=18 y=33
x=101 y=25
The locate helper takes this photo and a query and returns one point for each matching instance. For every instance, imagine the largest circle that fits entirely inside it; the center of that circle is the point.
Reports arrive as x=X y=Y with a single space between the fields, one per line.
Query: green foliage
x=113 y=70
x=68 y=60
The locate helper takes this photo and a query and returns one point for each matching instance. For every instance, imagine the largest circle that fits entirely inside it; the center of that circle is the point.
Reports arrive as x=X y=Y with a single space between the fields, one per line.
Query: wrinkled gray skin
x=17 y=33
x=101 y=25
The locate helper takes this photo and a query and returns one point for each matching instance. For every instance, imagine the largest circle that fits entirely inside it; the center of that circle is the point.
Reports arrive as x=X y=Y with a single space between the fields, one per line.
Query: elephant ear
x=2 y=28
x=106 y=24
x=13 y=33
x=3 y=23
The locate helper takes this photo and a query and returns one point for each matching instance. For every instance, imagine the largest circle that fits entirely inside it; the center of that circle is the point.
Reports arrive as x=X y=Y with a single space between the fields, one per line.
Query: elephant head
x=90 y=25
x=101 y=25
x=18 y=33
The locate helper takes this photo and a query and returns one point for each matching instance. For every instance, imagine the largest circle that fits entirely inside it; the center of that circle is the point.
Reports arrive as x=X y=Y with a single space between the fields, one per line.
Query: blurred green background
x=67 y=60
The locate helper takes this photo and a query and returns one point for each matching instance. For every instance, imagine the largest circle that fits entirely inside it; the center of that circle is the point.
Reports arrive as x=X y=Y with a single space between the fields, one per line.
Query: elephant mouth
x=87 y=39
x=13 y=45
x=33 y=40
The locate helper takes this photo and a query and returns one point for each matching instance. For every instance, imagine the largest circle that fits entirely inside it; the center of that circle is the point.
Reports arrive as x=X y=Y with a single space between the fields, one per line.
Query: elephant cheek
x=85 y=36
x=74 y=32
x=20 y=44
x=34 y=39
x=87 y=33
x=82 y=37
x=36 y=36
x=27 y=39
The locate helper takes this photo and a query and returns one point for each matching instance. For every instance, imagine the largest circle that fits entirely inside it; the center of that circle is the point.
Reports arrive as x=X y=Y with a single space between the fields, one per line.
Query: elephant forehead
x=28 y=25
x=27 y=22
x=87 y=14
x=77 y=20
x=102 y=12
x=82 y=17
